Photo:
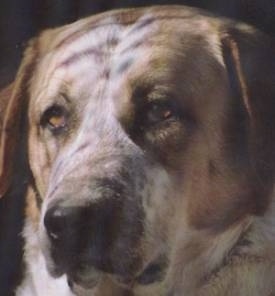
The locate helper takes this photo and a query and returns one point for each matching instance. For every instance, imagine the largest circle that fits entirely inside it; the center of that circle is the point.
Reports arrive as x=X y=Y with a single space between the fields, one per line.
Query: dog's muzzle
x=103 y=235
x=99 y=237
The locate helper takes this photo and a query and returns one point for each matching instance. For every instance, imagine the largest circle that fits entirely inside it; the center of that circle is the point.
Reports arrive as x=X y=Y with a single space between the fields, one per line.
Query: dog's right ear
x=14 y=119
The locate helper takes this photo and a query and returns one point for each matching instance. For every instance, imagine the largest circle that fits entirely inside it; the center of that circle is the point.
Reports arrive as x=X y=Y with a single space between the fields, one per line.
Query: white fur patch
x=37 y=281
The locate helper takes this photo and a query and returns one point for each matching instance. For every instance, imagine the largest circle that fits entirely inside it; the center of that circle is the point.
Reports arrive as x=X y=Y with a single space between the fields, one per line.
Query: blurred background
x=22 y=19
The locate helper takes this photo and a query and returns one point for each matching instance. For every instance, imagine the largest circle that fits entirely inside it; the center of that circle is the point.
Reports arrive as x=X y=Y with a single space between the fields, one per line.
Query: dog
x=147 y=141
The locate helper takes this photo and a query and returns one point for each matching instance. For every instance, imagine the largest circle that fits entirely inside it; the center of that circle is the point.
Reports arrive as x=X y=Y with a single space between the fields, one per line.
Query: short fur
x=164 y=168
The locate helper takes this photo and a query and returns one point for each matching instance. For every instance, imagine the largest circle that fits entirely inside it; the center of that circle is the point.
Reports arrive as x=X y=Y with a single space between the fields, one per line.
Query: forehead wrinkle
x=60 y=77
x=134 y=45
x=47 y=78
x=70 y=55
x=99 y=39
x=50 y=87
x=89 y=61
x=77 y=56
x=48 y=94
x=82 y=32
x=109 y=37
x=109 y=19
x=138 y=32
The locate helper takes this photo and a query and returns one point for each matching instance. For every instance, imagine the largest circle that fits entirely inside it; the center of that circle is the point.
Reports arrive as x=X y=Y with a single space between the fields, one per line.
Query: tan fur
x=211 y=210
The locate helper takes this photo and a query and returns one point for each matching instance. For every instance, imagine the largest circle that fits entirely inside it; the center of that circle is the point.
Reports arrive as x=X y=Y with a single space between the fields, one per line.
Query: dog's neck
x=240 y=257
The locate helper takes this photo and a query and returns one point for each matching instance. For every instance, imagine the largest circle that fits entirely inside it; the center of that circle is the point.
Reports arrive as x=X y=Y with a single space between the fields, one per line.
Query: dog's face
x=108 y=145
x=138 y=134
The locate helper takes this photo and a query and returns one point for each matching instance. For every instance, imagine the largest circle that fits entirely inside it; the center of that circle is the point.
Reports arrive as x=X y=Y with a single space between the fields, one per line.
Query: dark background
x=22 y=19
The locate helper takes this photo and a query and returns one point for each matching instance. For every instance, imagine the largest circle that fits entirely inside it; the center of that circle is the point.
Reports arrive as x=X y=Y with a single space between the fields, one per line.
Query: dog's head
x=141 y=128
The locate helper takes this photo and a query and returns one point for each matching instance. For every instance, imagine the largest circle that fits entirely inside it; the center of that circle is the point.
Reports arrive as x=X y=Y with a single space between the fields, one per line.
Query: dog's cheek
x=40 y=162
x=159 y=207
x=215 y=196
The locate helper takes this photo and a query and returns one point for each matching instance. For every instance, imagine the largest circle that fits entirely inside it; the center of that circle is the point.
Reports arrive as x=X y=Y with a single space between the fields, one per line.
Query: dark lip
x=153 y=272
x=75 y=283
x=54 y=270
x=86 y=279
x=124 y=282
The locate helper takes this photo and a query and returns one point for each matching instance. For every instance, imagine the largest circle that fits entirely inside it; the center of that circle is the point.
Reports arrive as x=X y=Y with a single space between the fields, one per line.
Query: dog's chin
x=152 y=273
x=77 y=279
x=83 y=282
x=87 y=279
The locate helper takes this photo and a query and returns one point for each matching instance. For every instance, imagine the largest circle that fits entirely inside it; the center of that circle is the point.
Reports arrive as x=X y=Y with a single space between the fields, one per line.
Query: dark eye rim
x=159 y=107
x=54 y=110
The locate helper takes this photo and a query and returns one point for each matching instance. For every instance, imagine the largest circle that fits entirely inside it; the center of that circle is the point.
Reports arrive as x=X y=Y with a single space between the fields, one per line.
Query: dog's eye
x=55 y=119
x=160 y=111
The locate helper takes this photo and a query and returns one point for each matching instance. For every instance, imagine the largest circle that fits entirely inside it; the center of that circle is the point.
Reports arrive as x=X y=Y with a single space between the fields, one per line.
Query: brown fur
x=218 y=223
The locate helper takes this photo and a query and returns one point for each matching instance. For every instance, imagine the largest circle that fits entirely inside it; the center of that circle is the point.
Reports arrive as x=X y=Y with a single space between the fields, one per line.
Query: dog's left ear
x=249 y=57
x=12 y=142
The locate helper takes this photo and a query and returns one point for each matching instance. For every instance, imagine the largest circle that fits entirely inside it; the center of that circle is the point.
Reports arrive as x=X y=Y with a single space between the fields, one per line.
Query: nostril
x=56 y=222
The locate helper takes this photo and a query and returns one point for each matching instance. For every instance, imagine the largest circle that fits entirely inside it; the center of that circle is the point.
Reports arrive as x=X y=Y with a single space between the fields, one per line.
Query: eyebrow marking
x=87 y=29
x=83 y=54
x=136 y=44
x=124 y=65
x=142 y=24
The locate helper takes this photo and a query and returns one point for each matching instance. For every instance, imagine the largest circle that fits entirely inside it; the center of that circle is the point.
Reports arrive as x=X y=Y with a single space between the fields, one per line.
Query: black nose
x=59 y=221
x=82 y=235
x=96 y=235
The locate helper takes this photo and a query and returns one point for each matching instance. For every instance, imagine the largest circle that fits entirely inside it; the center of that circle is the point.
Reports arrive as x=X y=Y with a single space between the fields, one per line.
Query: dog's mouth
x=153 y=272
x=83 y=282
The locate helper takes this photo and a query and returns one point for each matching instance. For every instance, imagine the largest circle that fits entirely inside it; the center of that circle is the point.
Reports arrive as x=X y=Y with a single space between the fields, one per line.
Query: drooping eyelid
x=174 y=101
x=150 y=94
x=145 y=96
x=44 y=104
x=161 y=94
x=162 y=101
x=168 y=99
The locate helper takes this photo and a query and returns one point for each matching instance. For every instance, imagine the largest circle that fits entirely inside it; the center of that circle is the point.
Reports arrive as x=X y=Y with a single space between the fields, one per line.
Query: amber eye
x=55 y=119
x=160 y=111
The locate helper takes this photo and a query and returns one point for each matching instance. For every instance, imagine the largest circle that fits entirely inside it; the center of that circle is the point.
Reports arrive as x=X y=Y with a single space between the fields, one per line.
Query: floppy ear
x=14 y=121
x=249 y=150
x=249 y=56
